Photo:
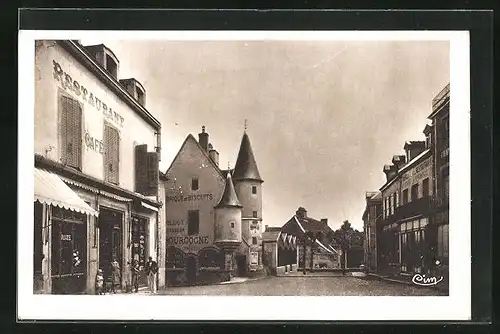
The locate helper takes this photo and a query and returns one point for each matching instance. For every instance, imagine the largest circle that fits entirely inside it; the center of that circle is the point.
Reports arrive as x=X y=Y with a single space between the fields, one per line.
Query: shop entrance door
x=139 y=246
x=110 y=240
x=69 y=252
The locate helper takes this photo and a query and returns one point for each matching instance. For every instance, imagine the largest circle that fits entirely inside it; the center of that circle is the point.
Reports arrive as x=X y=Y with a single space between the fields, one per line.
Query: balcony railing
x=416 y=207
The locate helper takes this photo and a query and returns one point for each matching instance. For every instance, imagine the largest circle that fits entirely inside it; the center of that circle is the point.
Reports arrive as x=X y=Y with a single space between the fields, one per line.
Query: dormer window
x=111 y=67
x=140 y=96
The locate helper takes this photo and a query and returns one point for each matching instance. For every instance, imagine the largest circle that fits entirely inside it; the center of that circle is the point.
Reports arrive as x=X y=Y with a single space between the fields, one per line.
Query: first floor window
x=194 y=183
x=254 y=240
x=254 y=190
x=193 y=222
x=70 y=128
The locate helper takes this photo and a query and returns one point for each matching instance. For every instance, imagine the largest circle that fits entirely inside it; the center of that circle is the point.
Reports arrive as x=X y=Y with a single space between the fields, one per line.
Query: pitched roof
x=313 y=225
x=270 y=235
x=191 y=137
x=229 y=197
x=246 y=167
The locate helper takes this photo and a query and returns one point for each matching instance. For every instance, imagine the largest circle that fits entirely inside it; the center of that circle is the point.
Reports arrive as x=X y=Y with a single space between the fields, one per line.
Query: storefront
x=413 y=245
x=140 y=246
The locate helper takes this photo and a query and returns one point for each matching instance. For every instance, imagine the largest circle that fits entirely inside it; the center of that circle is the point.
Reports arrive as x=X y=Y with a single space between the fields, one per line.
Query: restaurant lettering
x=190 y=198
x=197 y=240
x=68 y=83
x=94 y=143
x=175 y=230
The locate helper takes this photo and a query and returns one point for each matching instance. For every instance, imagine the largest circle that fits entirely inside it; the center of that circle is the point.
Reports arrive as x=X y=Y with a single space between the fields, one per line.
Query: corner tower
x=227 y=234
x=248 y=186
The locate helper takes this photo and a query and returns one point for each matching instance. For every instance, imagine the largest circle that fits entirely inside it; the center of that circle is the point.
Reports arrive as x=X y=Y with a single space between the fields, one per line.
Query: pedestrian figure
x=99 y=283
x=151 y=270
x=115 y=275
x=135 y=275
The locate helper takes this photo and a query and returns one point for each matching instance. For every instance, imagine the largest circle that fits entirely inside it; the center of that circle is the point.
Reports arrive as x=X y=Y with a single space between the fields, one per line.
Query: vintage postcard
x=244 y=175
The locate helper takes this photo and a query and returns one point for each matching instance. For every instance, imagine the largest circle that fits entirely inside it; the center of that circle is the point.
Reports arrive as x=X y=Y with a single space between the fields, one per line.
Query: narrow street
x=305 y=286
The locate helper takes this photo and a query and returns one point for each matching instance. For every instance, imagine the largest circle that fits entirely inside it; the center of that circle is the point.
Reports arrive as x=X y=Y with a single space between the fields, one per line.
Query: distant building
x=96 y=175
x=371 y=217
x=213 y=215
x=302 y=241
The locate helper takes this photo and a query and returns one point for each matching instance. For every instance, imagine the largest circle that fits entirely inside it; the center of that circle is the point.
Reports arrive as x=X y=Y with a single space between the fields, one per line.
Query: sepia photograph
x=174 y=166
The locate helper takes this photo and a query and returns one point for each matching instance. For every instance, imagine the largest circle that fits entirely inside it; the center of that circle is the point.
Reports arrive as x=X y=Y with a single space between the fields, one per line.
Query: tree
x=347 y=237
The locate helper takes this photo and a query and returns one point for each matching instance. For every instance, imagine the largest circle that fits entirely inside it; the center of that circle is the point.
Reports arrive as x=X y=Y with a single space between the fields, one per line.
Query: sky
x=323 y=117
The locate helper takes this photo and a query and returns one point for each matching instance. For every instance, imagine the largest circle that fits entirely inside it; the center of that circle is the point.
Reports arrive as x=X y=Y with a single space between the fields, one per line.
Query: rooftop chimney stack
x=390 y=172
x=213 y=154
x=105 y=57
x=399 y=161
x=203 y=139
x=301 y=212
x=324 y=221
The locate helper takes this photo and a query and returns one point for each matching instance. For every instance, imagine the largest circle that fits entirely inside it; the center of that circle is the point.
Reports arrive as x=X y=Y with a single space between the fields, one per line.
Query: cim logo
x=425 y=281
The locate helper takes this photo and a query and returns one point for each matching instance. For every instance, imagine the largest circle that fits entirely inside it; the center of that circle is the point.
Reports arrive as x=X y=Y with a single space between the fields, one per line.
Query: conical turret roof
x=229 y=197
x=246 y=167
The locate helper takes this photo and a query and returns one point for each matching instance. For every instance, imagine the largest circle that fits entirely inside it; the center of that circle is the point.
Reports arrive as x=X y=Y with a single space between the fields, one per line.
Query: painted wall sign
x=175 y=222
x=93 y=143
x=176 y=230
x=198 y=240
x=190 y=198
x=421 y=171
x=66 y=237
x=69 y=84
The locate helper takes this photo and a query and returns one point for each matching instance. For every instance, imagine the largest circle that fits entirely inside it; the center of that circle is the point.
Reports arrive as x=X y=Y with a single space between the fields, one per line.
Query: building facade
x=96 y=169
x=371 y=217
x=413 y=234
x=440 y=136
x=213 y=215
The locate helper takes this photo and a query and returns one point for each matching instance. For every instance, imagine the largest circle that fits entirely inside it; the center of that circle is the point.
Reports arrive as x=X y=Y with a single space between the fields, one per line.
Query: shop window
x=38 y=240
x=255 y=214
x=254 y=241
x=195 y=183
x=425 y=187
x=446 y=186
x=254 y=190
x=193 y=222
x=111 y=154
x=414 y=192
x=70 y=128
x=139 y=240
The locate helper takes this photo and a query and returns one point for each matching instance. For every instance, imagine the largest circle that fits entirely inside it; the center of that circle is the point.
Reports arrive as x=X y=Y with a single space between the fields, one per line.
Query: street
x=305 y=286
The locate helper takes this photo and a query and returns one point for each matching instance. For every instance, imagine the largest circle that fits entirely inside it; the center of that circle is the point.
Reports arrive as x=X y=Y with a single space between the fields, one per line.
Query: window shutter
x=141 y=168
x=152 y=174
x=71 y=132
x=111 y=154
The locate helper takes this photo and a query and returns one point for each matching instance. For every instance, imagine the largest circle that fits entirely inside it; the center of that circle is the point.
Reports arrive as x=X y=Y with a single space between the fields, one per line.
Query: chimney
x=301 y=212
x=399 y=161
x=413 y=149
x=324 y=221
x=213 y=154
x=390 y=171
x=203 y=139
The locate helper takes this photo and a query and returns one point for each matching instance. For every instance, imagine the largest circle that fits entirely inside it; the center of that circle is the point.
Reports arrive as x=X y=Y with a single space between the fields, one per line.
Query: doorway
x=191 y=270
x=241 y=265
x=139 y=246
x=69 y=252
x=110 y=240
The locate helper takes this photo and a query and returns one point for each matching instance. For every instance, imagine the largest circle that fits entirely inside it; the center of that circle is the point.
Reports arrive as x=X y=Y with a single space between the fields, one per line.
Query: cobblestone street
x=305 y=286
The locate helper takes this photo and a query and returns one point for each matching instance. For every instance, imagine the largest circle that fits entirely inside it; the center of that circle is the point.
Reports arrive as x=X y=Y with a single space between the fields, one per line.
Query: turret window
x=255 y=214
x=254 y=240
x=232 y=224
x=195 y=184
x=254 y=190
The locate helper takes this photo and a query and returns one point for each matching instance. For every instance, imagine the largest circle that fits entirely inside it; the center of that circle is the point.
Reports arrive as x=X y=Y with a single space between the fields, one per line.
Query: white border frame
x=456 y=306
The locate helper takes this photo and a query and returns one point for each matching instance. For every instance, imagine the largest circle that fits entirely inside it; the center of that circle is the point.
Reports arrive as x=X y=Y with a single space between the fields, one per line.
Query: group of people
x=150 y=269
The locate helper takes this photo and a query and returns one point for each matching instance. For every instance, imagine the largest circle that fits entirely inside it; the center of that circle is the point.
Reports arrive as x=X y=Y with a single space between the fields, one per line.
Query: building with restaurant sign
x=97 y=150
x=371 y=218
x=213 y=215
x=413 y=233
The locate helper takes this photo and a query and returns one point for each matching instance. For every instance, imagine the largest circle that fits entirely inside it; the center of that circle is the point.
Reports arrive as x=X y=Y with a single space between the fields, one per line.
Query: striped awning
x=50 y=189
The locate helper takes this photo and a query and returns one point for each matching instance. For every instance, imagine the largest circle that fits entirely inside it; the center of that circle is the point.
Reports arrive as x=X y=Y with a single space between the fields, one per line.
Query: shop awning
x=50 y=189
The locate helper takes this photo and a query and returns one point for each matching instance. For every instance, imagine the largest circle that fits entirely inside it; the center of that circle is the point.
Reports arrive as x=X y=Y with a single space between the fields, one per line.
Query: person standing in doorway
x=135 y=275
x=115 y=275
x=151 y=271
